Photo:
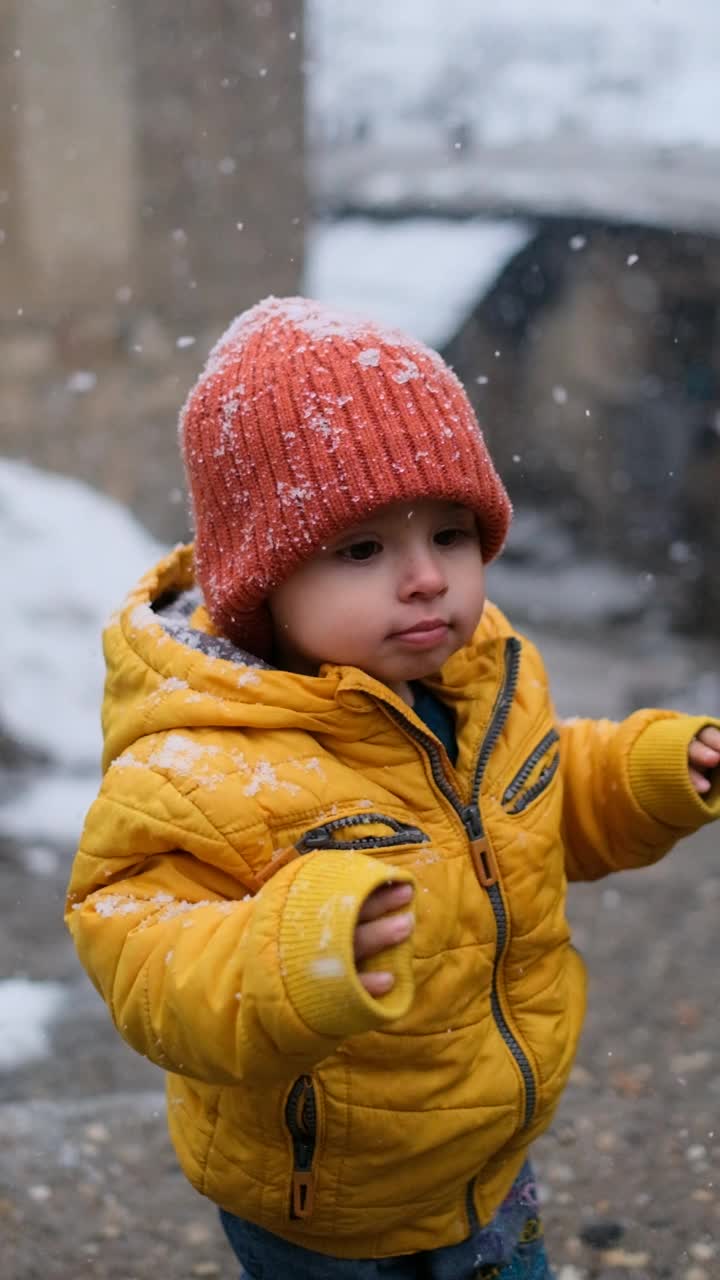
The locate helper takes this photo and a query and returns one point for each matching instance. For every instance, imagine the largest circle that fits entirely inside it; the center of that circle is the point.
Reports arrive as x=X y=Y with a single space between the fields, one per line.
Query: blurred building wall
x=151 y=186
x=603 y=396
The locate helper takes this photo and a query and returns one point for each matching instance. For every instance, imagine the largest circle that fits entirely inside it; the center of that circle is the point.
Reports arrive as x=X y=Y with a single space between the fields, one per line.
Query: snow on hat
x=304 y=420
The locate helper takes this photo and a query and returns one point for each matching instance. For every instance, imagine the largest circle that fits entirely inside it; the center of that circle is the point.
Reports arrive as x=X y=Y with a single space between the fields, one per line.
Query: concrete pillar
x=220 y=149
x=151 y=186
x=73 y=147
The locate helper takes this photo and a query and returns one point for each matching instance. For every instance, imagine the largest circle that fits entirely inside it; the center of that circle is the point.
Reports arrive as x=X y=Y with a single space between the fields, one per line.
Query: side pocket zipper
x=301 y=1120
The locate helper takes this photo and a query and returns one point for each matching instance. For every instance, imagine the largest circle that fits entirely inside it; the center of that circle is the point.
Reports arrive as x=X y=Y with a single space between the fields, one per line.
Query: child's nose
x=424 y=576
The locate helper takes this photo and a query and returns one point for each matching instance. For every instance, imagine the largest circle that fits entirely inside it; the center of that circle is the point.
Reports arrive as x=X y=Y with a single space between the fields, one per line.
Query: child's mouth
x=423 y=635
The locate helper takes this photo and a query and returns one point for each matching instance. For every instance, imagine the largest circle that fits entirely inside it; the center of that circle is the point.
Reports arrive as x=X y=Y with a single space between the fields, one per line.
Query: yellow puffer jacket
x=244 y=816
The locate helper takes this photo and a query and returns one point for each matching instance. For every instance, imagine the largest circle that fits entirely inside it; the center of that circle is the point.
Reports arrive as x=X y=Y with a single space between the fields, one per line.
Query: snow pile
x=422 y=275
x=26 y=1011
x=69 y=557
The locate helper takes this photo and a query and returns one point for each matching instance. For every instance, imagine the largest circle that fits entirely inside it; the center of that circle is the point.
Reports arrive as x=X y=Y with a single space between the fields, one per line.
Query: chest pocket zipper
x=330 y=834
x=515 y=798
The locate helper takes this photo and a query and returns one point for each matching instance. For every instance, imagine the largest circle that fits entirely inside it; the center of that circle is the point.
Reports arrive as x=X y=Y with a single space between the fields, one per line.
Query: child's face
x=395 y=595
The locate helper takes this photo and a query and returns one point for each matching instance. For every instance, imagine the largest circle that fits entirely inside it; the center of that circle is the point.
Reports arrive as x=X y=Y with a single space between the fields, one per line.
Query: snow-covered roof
x=555 y=105
x=423 y=275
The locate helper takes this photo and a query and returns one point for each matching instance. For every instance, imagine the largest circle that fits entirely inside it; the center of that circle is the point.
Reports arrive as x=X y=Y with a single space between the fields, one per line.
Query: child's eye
x=449 y=537
x=361 y=550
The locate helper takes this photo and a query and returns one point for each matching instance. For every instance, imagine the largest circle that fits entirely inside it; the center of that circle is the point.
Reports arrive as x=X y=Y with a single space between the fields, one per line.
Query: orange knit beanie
x=303 y=421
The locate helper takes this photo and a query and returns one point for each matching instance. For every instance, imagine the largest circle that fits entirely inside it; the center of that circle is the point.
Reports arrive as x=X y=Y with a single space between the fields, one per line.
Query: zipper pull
x=482 y=855
x=484 y=862
x=303 y=1194
x=318 y=838
x=473 y=821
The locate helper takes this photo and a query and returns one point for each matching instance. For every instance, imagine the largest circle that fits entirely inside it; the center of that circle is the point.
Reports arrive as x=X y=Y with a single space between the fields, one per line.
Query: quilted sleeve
x=627 y=793
x=206 y=971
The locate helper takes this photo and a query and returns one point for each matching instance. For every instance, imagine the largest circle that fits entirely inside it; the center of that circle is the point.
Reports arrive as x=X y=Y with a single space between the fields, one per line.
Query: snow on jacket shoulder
x=244 y=816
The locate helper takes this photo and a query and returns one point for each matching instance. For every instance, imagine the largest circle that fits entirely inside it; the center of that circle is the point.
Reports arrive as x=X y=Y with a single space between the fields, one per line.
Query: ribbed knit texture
x=304 y=421
x=316 y=946
x=659 y=776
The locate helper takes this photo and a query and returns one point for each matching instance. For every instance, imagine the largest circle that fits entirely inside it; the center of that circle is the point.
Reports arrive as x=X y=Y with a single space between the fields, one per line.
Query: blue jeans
x=510 y=1247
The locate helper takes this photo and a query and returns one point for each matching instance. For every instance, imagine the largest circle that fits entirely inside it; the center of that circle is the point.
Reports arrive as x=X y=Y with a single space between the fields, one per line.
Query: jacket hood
x=168 y=668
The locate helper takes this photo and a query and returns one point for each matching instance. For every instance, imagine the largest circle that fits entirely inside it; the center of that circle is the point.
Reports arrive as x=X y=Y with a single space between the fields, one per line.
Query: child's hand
x=376 y=930
x=703 y=757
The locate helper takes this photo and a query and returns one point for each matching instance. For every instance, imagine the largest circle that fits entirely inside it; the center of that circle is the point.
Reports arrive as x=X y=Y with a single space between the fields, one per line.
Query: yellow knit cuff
x=316 y=945
x=659 y=773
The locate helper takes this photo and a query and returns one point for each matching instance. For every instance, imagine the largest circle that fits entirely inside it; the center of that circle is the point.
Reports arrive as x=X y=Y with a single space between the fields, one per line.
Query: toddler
x=323 y=884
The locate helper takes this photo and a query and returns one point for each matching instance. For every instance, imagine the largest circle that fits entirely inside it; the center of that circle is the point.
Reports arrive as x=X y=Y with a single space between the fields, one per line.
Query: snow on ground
x=51 y=807
x=26 y=1011
x=69 y=556
x=642 y=71
x=422 y=274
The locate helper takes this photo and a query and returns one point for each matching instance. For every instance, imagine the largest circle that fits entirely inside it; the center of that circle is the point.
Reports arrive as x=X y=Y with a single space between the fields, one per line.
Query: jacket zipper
x=323 y=837
x=482 y=856
x=301 y=1120
x=525 y=771
x=301 y=1105
x=543 y=780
